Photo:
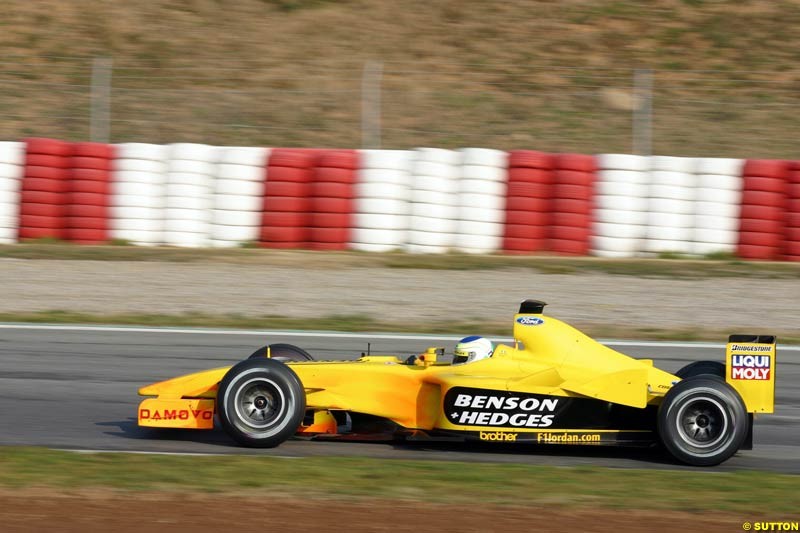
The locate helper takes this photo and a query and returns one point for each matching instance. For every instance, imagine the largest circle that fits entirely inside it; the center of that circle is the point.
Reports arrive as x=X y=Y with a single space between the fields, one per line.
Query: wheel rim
x=702 y=422
x=259 y=403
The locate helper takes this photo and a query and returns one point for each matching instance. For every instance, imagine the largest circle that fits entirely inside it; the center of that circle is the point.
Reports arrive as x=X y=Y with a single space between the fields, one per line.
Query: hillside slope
x=534 y=74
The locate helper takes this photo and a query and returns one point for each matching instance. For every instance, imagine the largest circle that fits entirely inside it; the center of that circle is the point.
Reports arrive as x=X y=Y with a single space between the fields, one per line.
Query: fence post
x=100 y=120
x=371 y=104
x=643 y=112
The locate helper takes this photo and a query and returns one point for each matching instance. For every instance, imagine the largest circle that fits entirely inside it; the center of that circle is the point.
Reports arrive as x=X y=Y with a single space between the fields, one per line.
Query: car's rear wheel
x=261 y=402
x=698 y=368
x=282 y=352
x=702 y=421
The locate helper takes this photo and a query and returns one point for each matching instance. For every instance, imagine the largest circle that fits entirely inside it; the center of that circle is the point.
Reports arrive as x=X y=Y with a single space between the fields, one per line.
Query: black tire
x=261 y=402
x=702 y=421
x=283 y=353
x=699 y=368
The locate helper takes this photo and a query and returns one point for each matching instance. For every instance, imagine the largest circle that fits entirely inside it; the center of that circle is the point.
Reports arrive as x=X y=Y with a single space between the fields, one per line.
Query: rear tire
x=283 y=353
x=261 y=402
x=699 y=368
x=702 y=421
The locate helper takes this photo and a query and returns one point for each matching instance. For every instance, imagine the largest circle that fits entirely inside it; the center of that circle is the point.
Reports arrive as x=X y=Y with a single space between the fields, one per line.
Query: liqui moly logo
x=750 y=367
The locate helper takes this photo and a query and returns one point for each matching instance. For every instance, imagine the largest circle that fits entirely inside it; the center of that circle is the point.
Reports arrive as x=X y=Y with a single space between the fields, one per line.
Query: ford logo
x=529 y=321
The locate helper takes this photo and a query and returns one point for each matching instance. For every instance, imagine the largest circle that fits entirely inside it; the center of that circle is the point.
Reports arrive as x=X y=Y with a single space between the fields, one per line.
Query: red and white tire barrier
x=427 y=200
x=44 y=189
x=573 y=204
x=89 y=198
x=384 y=179
x=138 y=187
x=791 y=245
x=481 y=200
x=717 y=199
x=333 y=192
x=190 y=176
x=434 y=201
x=621 y=202
x=287 y=198
x=238 y=196
x=671 y=206
x=528 y=201
x=12 y=165
x=763 y=209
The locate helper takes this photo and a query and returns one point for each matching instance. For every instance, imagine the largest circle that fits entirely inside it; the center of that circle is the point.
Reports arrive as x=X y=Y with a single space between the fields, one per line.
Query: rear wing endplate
x=750 y=369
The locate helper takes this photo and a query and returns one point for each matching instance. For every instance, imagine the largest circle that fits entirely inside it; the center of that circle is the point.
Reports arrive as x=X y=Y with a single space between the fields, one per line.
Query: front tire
x=702 y=421
x=261 y=402
x=282 y=352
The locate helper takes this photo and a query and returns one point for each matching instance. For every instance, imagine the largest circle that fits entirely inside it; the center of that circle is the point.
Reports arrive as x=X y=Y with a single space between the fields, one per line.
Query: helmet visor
x=462 y=356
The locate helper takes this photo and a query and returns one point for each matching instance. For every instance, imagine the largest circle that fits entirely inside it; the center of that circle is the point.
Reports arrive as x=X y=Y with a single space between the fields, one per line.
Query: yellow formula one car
x=555 y=385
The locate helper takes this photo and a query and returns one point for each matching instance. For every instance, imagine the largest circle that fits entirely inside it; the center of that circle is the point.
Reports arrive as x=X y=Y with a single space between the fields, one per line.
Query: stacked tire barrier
x=382 y=201
x=527 y=217
x=427 y=200
x=44 y=189
x=434 y=201
x=287 y=203
x=12 y=165
x=718 y=195
x=671 y=205
x=573 y=204
x=620 y=217
x=332 y=196
x=763 y=209
x=791 y=246
x=188 y=201
x=89 y=198
x=481 y=200
x=138 y=191
x=238 y=196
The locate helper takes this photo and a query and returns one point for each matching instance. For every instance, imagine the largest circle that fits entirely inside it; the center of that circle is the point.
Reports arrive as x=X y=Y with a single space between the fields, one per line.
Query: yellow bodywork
x=548 y=357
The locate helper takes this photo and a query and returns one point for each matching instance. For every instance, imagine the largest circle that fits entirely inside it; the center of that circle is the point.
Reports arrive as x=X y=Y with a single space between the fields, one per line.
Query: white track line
x=339 y=335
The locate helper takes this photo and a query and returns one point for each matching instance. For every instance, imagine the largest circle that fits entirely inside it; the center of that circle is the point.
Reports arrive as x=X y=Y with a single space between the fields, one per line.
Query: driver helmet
x=471 y=349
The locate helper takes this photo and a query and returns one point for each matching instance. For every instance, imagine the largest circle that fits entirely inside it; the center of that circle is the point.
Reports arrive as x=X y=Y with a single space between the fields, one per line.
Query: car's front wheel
x=261 y=402
x=282 y=352
x=702 y=421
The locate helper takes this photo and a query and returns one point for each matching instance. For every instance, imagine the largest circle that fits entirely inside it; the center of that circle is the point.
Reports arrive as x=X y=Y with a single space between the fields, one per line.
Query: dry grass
x=363 y=323
x=456 y=72
x=665 y=268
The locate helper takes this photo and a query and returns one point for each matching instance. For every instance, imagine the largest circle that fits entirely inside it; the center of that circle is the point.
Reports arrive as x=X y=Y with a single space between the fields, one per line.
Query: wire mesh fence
x=402 y=105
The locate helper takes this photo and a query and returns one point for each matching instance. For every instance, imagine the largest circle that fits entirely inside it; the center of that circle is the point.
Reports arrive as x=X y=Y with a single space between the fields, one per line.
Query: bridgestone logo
x=740 y=348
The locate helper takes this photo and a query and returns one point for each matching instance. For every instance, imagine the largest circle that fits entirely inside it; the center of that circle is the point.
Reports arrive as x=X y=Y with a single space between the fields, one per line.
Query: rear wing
x=750 y=369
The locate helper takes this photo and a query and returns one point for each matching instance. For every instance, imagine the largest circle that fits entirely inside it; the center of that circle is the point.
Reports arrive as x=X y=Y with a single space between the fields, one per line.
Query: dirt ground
x=402 y=296
x=42 y=510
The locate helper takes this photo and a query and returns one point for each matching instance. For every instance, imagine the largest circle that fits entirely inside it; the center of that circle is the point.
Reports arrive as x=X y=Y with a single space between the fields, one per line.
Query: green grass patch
x=364 y=323
x=445 y=482
x=669 y=266
x=332 y=323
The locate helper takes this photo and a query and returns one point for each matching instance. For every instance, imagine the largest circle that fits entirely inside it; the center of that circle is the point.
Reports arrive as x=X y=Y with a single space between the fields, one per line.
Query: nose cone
x=149 y=390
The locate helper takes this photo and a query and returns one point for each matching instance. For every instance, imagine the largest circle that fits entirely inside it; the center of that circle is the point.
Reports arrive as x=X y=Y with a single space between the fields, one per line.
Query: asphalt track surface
x=73 y=387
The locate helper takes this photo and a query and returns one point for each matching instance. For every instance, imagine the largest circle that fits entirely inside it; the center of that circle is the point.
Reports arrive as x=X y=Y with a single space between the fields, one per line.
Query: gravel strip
x=396 y=295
